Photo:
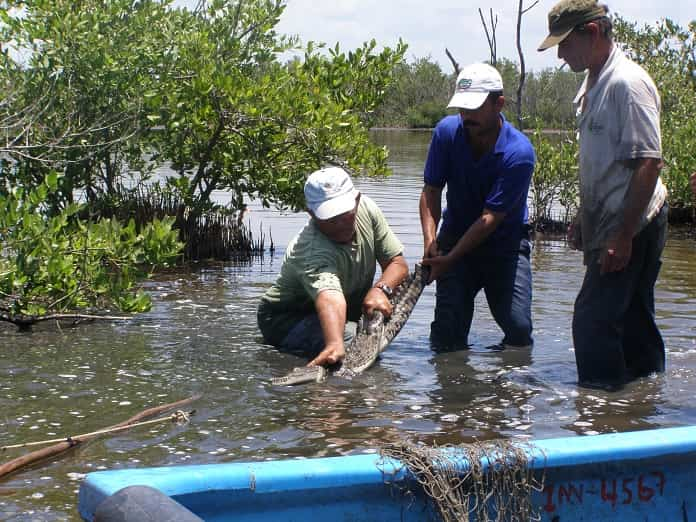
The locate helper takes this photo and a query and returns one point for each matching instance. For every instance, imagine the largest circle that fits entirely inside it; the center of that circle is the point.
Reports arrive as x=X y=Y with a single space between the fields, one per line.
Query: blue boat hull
x=646 y=475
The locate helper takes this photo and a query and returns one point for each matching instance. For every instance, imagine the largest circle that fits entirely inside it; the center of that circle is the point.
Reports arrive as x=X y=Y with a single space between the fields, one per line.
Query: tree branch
x=490 y=36
x=454 y=62
x=71 y=442
x=25 y=321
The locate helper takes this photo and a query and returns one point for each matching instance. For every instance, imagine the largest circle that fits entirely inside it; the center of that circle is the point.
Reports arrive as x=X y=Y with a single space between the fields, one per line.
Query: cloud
x=427 y=28
x=430 y=27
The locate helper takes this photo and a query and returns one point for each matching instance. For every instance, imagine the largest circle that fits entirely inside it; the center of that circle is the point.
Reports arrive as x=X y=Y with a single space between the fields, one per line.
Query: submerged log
x=71 y=442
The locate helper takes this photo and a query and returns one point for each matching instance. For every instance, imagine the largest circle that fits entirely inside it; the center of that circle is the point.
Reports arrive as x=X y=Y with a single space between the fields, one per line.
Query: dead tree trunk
x=454 y=62
x=490 y=35
x=523 y=73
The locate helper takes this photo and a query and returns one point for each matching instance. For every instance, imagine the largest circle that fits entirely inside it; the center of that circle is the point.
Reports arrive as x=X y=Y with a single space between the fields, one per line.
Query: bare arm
x=473 y=237
x=477 y=233
x=393 y=272
x=617 y=252
x=430 y=210
x=331 y=309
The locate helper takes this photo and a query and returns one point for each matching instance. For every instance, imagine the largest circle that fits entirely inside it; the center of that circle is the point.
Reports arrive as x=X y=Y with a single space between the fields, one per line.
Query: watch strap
x=384 y=287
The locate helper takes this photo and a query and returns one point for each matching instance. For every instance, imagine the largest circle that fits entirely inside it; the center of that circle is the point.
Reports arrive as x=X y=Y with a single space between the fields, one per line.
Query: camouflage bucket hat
x=566 y=15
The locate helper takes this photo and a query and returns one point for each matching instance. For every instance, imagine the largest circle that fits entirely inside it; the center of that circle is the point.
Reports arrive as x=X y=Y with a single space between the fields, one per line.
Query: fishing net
x=482 y=481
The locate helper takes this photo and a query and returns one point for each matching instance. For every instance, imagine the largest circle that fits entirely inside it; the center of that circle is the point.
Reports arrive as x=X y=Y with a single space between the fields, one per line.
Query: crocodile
x=372 y=336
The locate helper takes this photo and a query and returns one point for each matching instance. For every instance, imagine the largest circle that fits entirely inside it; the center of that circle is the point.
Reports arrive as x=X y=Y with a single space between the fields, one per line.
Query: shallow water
x=201 y=337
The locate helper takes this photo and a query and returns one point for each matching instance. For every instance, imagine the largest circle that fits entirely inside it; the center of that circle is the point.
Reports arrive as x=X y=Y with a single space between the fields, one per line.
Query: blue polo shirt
x=498 y=181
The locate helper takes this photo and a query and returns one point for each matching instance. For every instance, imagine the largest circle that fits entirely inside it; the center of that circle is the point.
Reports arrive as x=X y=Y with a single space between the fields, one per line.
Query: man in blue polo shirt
x=483 y=242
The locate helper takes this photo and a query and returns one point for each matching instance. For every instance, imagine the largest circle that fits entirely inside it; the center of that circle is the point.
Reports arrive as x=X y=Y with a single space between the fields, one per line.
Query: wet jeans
x=614 y=331
x=306 y=337
x=505 y=277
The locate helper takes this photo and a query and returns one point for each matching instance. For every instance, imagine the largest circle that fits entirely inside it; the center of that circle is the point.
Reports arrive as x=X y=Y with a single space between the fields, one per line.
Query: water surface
x=201 y=337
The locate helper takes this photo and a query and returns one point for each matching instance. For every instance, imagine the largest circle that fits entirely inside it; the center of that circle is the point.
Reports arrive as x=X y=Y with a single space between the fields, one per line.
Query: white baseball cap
x=474 y=82
x=329 y=192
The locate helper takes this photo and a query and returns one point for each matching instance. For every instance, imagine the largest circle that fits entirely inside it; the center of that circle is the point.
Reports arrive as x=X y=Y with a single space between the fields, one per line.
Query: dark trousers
x=505 y=277
x=614 y=331
x=306 y=338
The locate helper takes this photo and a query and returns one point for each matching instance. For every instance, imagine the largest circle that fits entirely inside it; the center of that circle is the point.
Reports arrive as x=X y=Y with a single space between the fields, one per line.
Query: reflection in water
x=602 y=412
x=201 y=337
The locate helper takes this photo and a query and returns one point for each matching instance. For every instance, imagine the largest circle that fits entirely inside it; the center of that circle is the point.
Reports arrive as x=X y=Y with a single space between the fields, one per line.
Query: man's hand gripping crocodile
x=372 y=337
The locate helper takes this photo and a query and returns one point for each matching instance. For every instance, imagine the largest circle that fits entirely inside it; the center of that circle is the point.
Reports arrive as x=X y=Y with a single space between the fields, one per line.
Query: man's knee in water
x=519 y=335
x=444 y=338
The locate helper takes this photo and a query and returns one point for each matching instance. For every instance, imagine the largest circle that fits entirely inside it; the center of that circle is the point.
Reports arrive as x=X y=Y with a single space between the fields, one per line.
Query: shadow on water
x=201 y=337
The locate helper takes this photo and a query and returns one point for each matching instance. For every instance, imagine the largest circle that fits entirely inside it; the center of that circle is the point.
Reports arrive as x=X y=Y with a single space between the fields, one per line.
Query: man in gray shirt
x=623 y=215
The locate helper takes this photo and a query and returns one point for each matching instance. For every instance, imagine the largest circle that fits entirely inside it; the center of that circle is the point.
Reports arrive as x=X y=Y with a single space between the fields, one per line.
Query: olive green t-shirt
x=313 y=263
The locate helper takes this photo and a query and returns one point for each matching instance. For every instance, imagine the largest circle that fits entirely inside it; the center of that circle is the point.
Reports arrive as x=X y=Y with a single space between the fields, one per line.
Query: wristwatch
x=384 y=287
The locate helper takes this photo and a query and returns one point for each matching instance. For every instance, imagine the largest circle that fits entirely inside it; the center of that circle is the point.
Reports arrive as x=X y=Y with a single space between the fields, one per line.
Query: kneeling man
x=326 y=279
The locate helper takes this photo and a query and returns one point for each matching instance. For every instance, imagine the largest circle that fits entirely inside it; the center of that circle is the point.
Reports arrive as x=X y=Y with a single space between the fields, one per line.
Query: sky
x=431 y=26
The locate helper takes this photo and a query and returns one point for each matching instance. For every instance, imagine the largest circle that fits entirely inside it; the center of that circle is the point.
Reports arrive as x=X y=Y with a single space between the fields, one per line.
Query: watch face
x=385 y=288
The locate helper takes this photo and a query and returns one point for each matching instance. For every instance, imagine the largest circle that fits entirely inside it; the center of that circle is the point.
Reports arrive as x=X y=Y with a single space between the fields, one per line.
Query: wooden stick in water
x=71 y=442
